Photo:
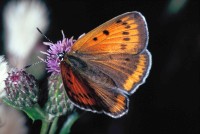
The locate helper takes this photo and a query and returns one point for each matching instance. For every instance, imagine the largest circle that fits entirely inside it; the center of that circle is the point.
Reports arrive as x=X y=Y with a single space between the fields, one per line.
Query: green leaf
x=35 y=112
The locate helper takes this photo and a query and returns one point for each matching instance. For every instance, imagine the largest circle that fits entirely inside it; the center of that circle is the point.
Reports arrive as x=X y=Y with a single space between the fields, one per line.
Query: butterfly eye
x=61 y=56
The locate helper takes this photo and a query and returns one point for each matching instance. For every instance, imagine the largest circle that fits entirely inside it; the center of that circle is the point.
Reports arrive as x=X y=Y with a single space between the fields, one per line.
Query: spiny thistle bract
x=58 y=102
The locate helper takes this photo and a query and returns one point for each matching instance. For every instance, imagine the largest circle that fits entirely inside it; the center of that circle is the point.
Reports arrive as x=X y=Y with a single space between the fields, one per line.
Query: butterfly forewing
x=77 y=90
x=126 y=33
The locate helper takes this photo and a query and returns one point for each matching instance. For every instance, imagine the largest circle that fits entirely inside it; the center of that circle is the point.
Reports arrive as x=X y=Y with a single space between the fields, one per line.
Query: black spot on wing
x=86 y=96
x=127 y=27
x=125 y=33
x=127 y=59
x=124 y=23
x=81 y=95
x=95 y=38
x=70 y=81
x=123 y=46
x=68 y=74
x=126 y=39
x=106 y=32
x=118 y=21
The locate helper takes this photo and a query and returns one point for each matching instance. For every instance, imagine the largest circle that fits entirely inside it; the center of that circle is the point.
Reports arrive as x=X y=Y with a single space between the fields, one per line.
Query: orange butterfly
x=107 y=64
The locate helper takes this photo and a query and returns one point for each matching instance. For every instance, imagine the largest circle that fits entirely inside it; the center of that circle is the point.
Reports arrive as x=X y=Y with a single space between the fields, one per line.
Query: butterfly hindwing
x=91 y=96
x=121 y=71
x=126 y=33
x=113 y=103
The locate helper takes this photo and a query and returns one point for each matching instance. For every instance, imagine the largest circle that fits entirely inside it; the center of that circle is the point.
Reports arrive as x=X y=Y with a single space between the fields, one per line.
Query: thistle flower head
x=53 y=60
x=21 y=89
x=16 y=86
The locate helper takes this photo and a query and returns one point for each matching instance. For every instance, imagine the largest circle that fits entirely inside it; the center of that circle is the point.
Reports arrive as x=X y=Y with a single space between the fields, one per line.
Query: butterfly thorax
x=71 y=60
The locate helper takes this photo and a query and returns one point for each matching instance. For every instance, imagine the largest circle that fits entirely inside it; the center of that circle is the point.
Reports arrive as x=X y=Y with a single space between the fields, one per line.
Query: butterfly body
x=108 y=64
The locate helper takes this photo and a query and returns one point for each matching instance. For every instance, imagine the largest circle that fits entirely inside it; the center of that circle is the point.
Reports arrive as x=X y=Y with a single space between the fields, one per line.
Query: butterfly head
x=61 y=56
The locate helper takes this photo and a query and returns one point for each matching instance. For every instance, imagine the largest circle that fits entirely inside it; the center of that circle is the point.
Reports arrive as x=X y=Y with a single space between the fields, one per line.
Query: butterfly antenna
x=32 y=64
x=43 y=35
x=63 y=34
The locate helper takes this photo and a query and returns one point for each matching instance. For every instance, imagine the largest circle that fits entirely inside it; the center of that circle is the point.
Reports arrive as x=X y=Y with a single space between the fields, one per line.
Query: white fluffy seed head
x=20 y=21
x=3 y=75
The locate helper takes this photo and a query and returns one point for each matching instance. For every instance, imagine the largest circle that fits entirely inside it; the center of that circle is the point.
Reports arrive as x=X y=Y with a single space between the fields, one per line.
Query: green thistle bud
x=21 y=89
x=58 y=103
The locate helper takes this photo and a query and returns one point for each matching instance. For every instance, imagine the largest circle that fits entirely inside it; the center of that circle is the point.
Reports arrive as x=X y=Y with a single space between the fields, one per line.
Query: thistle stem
x=45 y=127
x=54 y=126
x=69 y=122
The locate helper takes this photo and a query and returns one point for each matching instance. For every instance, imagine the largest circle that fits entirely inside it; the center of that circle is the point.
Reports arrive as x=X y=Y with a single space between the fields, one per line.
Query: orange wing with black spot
x=91 y=96
x=126 y=33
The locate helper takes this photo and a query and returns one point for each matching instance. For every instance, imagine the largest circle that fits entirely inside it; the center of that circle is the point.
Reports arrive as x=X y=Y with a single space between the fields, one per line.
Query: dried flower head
x=52 y=53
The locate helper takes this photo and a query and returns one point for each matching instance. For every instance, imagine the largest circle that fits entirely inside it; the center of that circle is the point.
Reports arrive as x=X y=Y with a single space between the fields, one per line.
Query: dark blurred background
x=169 y=100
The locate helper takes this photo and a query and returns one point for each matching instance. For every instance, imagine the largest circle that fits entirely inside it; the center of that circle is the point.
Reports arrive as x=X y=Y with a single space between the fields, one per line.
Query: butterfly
x=107 y=65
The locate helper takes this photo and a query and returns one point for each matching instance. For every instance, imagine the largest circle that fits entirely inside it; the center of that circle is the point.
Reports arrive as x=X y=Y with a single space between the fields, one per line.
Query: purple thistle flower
x=59 y=47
